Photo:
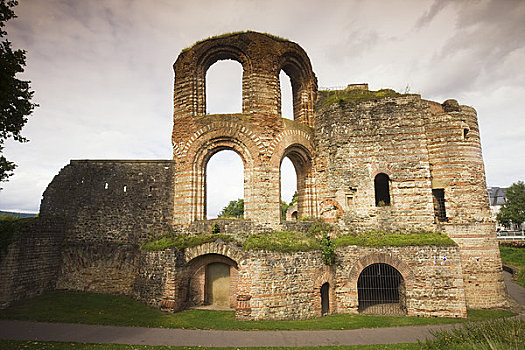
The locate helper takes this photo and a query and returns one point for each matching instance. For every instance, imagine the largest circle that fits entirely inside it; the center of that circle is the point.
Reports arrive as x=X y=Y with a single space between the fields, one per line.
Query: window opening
x=382 y=190
x=286 y=96
x=106 y=186
x=125 y=188
x=465 y=134
x=439 y=204
x=325 y=299
x=381 y=290
x=225 y=185
x=224 y=88
x=288 y=190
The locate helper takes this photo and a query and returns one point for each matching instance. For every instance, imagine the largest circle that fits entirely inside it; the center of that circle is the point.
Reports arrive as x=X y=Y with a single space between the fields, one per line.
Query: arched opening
x=382 y=190
x=224 y=87
x=286 y=96
x=212 y=281
x=224 y=185
x=288 y=190
x=325 y=299
x=381 y=290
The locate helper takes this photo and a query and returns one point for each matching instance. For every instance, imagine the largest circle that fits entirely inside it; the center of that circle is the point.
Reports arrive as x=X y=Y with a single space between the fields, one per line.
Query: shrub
x=327 y=250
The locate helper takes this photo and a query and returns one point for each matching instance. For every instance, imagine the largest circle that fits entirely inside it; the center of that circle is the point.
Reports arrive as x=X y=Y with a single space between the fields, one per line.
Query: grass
x=90 y=308
x=515 y=258
x=231 y=34
x=354 y=96
x=282 y=241
x=493 y=334
x=376 y=238
x=30 y=345
x=182 y=241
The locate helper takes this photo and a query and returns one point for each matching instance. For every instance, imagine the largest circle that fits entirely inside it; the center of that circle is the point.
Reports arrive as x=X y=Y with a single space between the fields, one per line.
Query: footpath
x=42 y=331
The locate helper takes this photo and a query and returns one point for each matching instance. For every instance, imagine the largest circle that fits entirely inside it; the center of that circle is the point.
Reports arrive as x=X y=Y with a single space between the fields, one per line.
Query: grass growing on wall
x=355 y=96
x=513 y=255
x=281 y=241
x=182 y=241
x=90 y=308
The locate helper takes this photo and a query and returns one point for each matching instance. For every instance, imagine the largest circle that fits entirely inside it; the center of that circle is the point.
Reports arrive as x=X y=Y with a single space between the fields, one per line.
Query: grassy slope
x=116 y=310
x=515 y=257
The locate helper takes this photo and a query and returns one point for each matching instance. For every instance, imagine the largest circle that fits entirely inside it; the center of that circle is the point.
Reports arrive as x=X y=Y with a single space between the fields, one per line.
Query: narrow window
x=225 y=185
x=125 y=188
x=286 y=96
x=106 y=186
x=288 y=190
x=465 y=134
x=439 y=204
x=325 y=299
x=382 y=190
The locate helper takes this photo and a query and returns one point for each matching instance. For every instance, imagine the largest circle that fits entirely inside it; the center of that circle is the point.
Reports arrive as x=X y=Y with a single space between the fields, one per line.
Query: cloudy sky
x=102 y=72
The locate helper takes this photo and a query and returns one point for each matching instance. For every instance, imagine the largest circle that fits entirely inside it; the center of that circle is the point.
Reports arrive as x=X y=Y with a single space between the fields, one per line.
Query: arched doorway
x=381 y=290
x=325 y=299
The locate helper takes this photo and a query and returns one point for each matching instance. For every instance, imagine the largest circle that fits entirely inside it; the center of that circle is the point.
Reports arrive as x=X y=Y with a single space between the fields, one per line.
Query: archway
x=381 y=290
x=224 y=185
x=212 y=281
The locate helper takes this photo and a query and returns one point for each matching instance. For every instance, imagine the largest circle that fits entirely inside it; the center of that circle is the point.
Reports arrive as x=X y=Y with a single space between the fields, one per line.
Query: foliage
x=230 y=34
x=182 y=241
x=15 y=94
x=354 y=96
x=493 y=334
x=90 y=308
x=234 y=209
x=282 y=241
x=379 y=239
x=513 y=210
x=284 y=209
x=327 y=250
x=319 y=228
x=215 y=228
x=515 y=258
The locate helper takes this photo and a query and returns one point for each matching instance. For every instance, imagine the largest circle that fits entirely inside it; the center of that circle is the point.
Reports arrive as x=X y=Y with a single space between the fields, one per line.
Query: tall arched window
x=288 y=190
x=224 y=182
x=286 y=96
x=382 y=189
x=224 y=88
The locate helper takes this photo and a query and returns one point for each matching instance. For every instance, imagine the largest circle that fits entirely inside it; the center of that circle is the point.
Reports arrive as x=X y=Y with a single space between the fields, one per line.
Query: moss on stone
x=231 y=34
x=182 y=241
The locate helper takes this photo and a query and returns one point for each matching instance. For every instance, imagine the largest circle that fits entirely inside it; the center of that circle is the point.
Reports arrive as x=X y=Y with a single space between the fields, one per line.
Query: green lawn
x=89 y=308
x=514 y=257
x=14 y=344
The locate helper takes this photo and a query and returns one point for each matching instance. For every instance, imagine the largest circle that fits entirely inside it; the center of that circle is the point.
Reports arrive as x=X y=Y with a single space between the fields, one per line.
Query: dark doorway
x=382 y=190
x=381 y=290
x=325 y=299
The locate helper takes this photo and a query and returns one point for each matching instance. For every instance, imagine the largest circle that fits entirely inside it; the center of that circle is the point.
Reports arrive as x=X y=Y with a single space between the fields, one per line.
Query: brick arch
x=297 y=146
x=296 y=64
x=236 y=255
x=374 y=258
x=262 y=57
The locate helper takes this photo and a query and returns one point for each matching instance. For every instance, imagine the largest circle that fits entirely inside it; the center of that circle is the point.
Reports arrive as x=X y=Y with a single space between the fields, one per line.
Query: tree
x=513 y=210
x=234 y=209
x=15 y=94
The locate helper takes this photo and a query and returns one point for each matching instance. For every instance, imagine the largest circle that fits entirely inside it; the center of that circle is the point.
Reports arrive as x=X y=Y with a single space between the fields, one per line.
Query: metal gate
x=381 y=290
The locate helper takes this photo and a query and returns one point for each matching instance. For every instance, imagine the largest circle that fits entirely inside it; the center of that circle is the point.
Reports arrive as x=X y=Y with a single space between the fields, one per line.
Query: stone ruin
x=364 y=160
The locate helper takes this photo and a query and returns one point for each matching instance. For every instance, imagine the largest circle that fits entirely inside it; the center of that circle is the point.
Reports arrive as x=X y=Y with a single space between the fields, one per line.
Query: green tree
x=284 y=208
x=234 y=209
x=513 y=210
x=15 y=94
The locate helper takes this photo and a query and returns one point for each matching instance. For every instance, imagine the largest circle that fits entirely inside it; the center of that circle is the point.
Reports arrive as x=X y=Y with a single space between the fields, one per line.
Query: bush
x=327 y=250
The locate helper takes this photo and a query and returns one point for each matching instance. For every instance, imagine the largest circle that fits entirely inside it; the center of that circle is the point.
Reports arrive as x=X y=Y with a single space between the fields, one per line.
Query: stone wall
x=112 y=201
x=354 y=143
x=31 y=264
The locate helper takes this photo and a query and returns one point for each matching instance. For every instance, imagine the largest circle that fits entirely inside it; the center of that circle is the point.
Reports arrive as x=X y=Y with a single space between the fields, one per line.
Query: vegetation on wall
x=355 y=96
x=10 y=227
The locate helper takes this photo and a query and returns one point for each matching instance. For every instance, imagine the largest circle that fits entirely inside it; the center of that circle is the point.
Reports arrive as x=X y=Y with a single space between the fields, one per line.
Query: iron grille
x=381 y=290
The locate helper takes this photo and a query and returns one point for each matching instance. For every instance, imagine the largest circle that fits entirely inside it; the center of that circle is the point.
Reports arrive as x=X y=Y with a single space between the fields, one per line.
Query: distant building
x=497 y=197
